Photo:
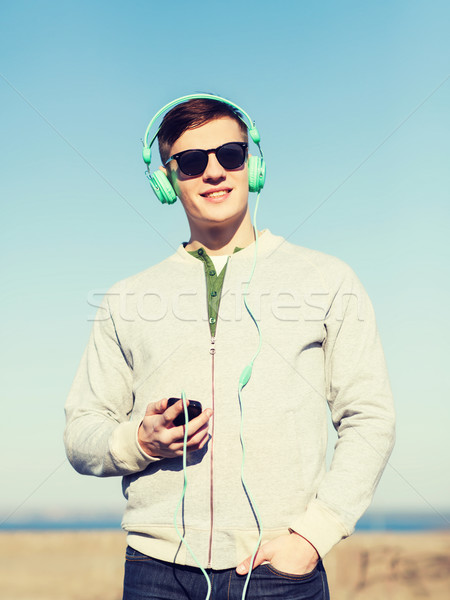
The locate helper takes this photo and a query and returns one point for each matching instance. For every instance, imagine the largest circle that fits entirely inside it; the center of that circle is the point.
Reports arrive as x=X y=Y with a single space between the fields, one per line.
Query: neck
x=222 y=239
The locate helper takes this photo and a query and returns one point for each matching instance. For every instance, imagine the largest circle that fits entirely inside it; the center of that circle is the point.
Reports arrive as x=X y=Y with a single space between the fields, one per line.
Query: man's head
x=218 y=195
x=192 y=114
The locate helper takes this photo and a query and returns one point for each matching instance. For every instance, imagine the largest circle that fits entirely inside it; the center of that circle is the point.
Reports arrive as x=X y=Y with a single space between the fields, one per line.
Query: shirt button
x=212 y=273
x=200 y=251
x=213 y=294
x=212 y=320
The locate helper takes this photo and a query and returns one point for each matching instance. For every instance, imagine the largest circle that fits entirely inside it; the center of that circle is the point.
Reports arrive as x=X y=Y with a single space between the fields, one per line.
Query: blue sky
x=352 y=103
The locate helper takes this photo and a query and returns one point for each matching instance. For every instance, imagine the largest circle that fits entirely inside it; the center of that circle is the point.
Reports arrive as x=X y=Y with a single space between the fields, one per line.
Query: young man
x=182 y=325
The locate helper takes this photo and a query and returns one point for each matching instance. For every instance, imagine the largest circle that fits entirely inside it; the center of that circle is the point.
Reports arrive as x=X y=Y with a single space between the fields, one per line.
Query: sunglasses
x=193 y=162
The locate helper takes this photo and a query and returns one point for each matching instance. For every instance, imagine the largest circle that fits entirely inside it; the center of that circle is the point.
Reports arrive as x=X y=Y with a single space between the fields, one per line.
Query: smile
x=216 y=193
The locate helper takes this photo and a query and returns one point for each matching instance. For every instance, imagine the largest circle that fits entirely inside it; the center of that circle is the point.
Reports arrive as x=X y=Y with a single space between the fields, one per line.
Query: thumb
x=244 y=566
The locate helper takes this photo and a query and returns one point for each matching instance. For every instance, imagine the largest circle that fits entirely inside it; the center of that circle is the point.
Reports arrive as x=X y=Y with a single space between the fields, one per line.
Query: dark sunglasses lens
x=231 y=156
x=193 y=162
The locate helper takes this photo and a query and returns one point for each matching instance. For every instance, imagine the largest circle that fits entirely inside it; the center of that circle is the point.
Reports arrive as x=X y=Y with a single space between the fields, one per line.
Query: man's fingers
x=156 y=408
x=244 y=567
x=195 y=425
x=173 y=411
x=160 y=437
x=177 y=449
x=199 y=438
x=199 y=422
x=195 y=441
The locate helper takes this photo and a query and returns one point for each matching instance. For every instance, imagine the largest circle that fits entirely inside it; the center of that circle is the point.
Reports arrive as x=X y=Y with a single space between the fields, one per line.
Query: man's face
x=217 y=196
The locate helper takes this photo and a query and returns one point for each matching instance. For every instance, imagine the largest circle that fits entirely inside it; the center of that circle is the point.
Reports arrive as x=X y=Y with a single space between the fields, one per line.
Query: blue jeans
x=150 y=579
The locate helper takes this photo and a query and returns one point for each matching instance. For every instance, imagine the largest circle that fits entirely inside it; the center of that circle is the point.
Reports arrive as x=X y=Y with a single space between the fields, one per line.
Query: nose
x=214 y=170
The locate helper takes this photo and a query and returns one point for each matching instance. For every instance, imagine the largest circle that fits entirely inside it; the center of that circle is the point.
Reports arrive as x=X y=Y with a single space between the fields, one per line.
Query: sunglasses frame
x=243 y=145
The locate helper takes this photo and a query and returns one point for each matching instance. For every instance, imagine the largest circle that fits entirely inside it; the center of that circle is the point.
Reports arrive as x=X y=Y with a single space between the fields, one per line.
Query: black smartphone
x=194 y=410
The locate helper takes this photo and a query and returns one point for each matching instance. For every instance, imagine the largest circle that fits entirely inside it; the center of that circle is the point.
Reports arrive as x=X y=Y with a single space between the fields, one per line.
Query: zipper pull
x=212 y=350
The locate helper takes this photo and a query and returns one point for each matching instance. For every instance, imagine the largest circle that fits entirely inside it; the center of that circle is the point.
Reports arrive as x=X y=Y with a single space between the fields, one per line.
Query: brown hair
x=189 y=115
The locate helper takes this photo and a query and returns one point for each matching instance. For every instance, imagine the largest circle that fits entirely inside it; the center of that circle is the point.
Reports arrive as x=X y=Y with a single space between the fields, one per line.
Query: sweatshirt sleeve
x=100 y=438
x=360 y=400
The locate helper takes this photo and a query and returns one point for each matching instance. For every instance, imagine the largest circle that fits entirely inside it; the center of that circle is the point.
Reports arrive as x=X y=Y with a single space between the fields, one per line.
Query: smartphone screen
x=194 y=410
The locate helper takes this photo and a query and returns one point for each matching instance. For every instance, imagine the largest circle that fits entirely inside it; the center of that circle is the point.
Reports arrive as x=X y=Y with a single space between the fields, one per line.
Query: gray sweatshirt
x=320 y=347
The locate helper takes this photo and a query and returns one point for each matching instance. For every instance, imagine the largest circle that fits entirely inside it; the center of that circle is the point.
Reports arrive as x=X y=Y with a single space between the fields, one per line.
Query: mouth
x=216 y=194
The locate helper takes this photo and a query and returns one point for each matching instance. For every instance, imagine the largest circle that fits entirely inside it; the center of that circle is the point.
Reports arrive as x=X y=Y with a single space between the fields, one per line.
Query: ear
x=172 y=178
x=168 y=173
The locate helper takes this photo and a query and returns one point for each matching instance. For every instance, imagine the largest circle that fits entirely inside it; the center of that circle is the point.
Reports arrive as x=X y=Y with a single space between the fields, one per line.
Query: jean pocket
x=271 y=583
x=291 y=576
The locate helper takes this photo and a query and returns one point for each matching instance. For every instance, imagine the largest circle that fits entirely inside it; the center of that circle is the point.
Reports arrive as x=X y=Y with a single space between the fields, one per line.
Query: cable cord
x=180 y=502
x=258 y=350
x=243 y=380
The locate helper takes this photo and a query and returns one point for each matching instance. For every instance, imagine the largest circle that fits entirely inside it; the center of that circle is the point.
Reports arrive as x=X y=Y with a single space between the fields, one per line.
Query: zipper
x=212 y=351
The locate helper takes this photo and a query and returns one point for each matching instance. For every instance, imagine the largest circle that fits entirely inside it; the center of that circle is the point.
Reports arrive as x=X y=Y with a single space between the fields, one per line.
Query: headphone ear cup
x=256 y=173
x=162 y=188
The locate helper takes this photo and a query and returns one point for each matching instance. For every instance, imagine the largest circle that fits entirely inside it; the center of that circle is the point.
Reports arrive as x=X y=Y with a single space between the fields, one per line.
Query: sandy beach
x=89 y=566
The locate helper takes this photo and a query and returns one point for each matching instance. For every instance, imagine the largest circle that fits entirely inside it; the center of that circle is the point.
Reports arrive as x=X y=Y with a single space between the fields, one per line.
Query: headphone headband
x=253 y=132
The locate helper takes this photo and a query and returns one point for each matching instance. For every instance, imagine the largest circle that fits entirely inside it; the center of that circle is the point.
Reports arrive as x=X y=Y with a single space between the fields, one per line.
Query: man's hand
x=290 y=553
x=158 y=436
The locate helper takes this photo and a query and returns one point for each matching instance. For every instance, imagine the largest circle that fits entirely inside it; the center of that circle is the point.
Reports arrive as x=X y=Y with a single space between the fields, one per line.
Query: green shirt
x=214 y=284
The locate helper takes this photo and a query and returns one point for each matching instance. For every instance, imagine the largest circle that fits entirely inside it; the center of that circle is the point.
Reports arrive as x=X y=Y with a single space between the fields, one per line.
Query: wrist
x=293 y=532
x=142 y=444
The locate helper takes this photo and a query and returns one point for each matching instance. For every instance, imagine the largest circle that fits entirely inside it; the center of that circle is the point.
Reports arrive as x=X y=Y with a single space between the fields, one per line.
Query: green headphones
x=159 y=182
